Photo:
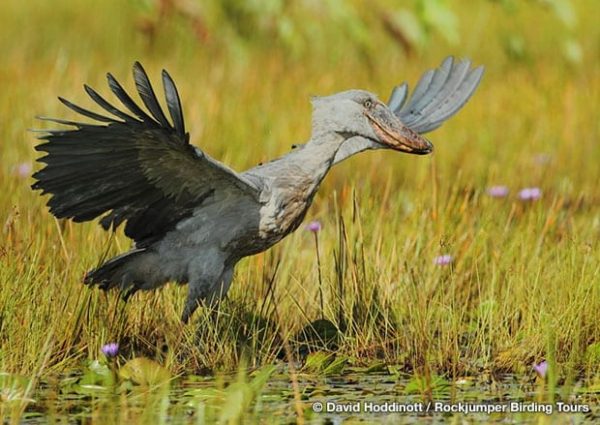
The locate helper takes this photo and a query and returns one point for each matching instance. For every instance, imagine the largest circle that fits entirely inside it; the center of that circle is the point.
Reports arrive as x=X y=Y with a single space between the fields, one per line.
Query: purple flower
x=541 y=368
x=111 y=349
x=530 y=194
x=497 y=191
x=314 y=226
x=443 y=260
x=23 y=170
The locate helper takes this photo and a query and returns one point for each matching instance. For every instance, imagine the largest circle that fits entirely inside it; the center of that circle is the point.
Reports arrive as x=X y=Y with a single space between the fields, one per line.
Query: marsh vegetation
x=442 y=277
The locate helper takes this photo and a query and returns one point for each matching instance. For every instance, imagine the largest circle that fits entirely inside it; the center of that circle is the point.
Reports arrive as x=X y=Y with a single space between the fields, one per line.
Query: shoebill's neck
x=317 y=156
x=353 y=146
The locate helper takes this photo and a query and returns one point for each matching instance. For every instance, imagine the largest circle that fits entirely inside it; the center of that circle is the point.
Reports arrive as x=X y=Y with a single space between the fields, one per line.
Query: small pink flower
x=530 y=194
x=541 y=368
x=497 y=191
x=443 y=260
x=314 y=226
x=23 y=170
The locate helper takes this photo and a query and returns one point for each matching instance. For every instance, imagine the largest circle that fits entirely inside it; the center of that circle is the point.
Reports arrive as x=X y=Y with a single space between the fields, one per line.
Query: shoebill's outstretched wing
x=438 y=95
x=132 y=166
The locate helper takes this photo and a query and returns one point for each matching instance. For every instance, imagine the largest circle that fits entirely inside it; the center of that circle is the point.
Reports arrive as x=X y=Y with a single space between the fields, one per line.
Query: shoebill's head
x=358 y=113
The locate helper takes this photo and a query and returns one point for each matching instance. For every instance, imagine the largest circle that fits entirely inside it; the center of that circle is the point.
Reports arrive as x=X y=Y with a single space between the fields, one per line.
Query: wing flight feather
x=138 y=169
x=439 y=94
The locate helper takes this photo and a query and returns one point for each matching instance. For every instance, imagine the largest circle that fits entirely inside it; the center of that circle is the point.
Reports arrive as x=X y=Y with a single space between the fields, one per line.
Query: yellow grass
x=525 y=282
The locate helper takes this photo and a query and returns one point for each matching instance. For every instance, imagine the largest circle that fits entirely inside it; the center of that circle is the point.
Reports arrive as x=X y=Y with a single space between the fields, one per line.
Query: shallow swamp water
x=268 y=396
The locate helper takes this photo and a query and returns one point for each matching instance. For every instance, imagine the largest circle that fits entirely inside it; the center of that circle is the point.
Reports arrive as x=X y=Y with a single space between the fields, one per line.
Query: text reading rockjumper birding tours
x=445 y=407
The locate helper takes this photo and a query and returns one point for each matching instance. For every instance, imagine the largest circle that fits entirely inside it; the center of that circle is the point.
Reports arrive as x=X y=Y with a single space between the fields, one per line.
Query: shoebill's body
x=192 y=218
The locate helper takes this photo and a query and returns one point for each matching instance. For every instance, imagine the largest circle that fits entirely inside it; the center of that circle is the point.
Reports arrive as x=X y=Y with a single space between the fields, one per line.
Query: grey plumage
x=398 y=97
x=430 y=104
x=192 y=218
x=440 y=94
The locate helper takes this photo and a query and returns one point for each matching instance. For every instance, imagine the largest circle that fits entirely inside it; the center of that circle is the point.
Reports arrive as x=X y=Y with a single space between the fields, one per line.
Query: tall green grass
x=525 y=280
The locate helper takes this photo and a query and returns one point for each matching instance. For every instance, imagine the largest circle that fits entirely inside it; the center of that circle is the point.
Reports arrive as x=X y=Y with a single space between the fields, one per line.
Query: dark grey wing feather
x=126 y=100
x=85 y=112
x=61 y=121
x=173 y=103
x=439 y=94
x=106 y=105
x=144 y=173
x=146 y=92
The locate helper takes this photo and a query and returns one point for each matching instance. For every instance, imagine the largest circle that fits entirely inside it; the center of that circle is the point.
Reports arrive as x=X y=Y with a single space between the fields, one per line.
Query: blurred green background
x=228 y=56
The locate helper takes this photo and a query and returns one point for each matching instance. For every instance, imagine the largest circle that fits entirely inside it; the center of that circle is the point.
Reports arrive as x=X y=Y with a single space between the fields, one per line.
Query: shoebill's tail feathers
x=130 y=271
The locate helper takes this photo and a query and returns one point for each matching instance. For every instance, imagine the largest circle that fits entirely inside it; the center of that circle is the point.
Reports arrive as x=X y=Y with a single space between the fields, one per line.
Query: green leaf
x=592 y=353
x=237 y=399
x=318 y=361
x=239 y=396
x=90 y=389
x=143 y=371
x=14 y=387
x=377 y=367
x=261 y=378
x=11 y=380
x=591 y=389
x=96 y=374
x=337 y=366
x=436 y=384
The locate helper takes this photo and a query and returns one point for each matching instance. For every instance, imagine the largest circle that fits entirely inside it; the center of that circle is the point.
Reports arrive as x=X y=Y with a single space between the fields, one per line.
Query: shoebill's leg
x=206 y=288
x=219 y=290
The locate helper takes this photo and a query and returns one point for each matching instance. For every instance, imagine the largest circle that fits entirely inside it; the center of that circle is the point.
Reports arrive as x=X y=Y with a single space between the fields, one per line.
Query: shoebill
x=193 y=218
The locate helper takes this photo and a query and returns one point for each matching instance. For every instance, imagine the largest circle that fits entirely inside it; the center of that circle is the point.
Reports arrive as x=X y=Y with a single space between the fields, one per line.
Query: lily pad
x=96 y=374
x=317 y=361
x=337 y=366
x=377 y=367
x=320 y=362
x=143 y=371
x=437 y=385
